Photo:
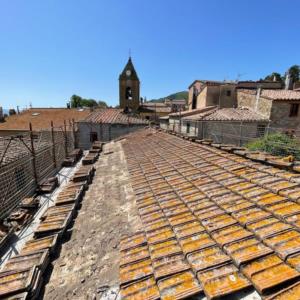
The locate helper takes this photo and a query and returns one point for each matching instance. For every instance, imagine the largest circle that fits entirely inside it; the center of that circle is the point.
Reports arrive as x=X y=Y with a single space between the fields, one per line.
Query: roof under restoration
x=214 y=223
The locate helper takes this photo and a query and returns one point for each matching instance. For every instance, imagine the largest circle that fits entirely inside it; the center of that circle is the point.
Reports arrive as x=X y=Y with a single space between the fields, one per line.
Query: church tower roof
x=131 y=74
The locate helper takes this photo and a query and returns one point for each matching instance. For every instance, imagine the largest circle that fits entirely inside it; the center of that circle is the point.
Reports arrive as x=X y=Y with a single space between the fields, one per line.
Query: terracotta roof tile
x=228 y=114
x=42 y=117
x=281 y=94
x=113 y=116
x=212 y=233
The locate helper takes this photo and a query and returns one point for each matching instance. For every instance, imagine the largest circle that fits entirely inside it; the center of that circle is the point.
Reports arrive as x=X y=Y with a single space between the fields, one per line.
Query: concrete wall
x=105 y=132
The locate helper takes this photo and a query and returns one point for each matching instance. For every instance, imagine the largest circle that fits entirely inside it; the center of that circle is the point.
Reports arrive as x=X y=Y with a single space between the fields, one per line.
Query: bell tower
x=129 y=88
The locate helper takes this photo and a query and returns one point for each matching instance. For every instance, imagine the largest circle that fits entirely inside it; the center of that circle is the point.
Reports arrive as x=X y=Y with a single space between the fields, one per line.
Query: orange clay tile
x=231 y=234
x=222 y=280
x=208 y=213
x=270 y=200
x=179 y=286
x=196 y=242
x=225 y=285
x=249 y=253
x=273 y=276
x=160 y=235
x=132 y=241
x=290 y=293
x=218 y=222
x=182 y=218
x=149 y=209
x=156 y=225
x=254 y=192
x=198 y=205
x=135 y=271
x=295 y=220
x=163 y=249
x=169 y=265
x=170 y=203
x=228 y=198
x=146 y=202
x=176 y=210
x=133 y=255
x=241 y=186
x=272 y=229
x=293 y=193
x=218 y=192
x=286 y=248
x=283 y=185
x=145 y=289
x=288 y=210
x=237 y=206
x=251 y=215
x=207 y=258
x=294 y=261
x=260 y=265
x=188 y=229
x=281 y=237
x=150 y=218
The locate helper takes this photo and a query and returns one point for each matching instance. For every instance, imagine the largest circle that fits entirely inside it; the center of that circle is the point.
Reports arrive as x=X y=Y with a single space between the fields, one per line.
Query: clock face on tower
x=128 y=72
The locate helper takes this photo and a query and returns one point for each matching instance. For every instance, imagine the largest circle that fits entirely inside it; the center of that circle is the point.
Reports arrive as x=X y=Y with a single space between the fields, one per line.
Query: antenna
x=239 y=75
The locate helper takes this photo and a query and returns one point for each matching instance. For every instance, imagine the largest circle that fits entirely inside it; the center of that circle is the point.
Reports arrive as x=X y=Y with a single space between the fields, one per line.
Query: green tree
x=274 y=74
x=76 y=101
x=295 y=72
x=102 y=104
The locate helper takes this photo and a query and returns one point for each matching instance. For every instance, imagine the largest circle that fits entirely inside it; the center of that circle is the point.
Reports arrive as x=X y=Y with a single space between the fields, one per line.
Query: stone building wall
x=105 y=132
x=280 y=115
x=248 y=99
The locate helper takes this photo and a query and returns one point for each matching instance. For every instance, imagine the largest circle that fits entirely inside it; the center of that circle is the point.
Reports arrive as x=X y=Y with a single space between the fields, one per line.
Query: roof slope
x=214 y=223
x=235 y=114
x=281 y=94
x=113 y=116
x=40 y=118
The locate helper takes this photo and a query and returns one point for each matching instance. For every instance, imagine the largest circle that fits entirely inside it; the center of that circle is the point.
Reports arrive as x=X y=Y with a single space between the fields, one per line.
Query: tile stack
x=214 y=223
x=22 y=275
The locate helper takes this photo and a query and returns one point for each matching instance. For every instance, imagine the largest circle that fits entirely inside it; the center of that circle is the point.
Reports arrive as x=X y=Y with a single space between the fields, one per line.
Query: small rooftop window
x=35 y=114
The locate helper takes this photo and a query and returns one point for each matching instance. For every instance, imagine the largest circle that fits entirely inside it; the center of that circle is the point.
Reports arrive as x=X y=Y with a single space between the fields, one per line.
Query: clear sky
x=51 y=49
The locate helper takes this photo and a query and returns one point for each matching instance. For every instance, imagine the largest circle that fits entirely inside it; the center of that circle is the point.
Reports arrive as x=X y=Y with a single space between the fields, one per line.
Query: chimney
x=1 y=114
x=288 y=81
x=258 y=93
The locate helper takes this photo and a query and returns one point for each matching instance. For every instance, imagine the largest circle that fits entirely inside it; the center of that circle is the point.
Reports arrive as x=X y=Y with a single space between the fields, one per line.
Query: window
x=294 y=110
x=20 y=177
x=228 y=93
x=93 y=136
x=188 y=126
x=128 y=94
x=261 y=130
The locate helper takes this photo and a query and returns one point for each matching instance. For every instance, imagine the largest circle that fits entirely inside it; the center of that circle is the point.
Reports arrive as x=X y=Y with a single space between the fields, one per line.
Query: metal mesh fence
x=26 y=160
x=260 y=136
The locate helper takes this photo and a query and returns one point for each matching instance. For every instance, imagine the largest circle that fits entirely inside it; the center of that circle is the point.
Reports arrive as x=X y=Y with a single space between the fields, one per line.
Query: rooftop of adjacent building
x=277 y=95
x=41 y=118
x=114 y=116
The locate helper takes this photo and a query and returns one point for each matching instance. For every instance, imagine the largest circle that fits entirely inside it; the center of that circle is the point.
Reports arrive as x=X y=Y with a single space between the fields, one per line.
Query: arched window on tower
x=128 y=94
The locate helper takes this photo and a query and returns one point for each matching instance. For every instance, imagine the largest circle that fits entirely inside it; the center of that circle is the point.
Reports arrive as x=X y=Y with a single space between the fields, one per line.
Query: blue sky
x=52 y=49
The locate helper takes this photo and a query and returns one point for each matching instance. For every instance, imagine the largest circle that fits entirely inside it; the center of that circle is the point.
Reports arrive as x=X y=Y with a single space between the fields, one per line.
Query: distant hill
x=176 y=96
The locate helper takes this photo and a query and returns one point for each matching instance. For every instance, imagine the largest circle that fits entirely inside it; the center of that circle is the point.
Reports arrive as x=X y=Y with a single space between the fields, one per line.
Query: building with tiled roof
x=107 y=124
x=225 y=125
x=41 y=119
x=280 y=106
